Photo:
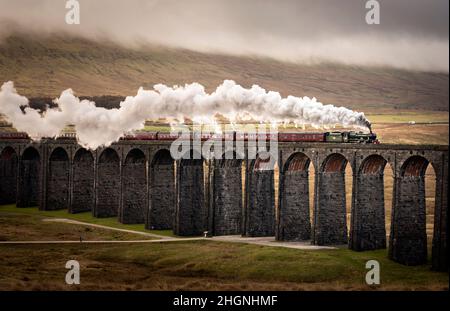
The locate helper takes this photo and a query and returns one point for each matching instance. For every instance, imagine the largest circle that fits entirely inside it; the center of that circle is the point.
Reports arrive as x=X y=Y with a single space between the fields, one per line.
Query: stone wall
x=227 y=200
x=408 y=239
x=190 y=216
x=82 y=183
x=368 y=230
x=162 y=196
x=440 y=235
x=134 y=187
x=29 y=187
x=57 y=181
x=107 y=198
x=294 y=218
x=260 y=212
x=331 y=219
x=8 y=179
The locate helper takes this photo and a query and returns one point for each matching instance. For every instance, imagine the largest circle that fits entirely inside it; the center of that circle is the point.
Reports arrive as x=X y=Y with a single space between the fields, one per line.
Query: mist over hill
x=45 y=66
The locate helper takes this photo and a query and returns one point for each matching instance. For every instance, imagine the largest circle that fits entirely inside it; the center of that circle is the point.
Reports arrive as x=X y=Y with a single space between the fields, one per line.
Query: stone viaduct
x=139 y=182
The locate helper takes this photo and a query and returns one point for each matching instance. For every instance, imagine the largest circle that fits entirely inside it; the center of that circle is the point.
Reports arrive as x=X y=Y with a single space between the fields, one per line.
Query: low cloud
x=413 y=34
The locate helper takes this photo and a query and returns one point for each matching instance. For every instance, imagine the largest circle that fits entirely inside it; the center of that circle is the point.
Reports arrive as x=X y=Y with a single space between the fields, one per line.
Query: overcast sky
x=413 y=34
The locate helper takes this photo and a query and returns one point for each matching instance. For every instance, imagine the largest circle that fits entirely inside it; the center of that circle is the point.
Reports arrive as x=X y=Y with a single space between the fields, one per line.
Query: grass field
x=200 y=265
x=83 y=217
x=204 y=265
x=19 y=226
x=405 y=116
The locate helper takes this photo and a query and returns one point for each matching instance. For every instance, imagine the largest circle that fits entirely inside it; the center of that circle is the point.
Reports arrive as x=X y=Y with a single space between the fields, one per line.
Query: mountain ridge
x=45 y=66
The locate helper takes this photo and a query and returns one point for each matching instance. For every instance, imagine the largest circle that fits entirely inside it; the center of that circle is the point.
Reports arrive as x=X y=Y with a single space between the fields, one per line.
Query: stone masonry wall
x=162 y=197
x=227 y=200
x=83 y=184
x=261 y=205
x=29 y=183
x=134 y=189
x=8 y=179
x=368 y=231
x=331 y=223
x=295 y=223
x=190 y=214
x=58 y=185
x=440 y=235
x=108 y=189
x=408 y=232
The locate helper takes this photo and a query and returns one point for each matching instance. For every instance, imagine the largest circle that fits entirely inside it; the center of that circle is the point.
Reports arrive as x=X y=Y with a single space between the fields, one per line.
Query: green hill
x=43 y=67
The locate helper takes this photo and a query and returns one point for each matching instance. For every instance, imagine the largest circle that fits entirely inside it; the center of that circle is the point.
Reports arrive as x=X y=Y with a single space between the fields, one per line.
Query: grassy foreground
x=24 y=227
x=84 y=217
x=184 y=265
x=204 y=265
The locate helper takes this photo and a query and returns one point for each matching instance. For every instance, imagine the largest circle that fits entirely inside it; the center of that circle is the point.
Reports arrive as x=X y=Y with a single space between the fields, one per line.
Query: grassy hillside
x=46 y=66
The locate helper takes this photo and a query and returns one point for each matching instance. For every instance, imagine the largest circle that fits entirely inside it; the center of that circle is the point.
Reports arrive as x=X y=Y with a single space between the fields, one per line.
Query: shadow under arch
x=8 y=175
x=226 y=194
x=330 y=211
x=83 y=179
x=259 y=214
x=368 y=226
x=29 y=185
x=160 y=215
x=134 y=188
x=107 y=197
x=408 y=237
x=293 y=219
x=57 y=187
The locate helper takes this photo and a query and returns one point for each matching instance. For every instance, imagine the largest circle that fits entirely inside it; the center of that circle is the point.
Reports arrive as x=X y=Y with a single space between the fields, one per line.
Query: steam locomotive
x=326 y=137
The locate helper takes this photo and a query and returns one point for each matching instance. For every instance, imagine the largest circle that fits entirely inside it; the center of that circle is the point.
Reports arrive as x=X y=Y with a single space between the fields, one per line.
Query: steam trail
x=97 y=126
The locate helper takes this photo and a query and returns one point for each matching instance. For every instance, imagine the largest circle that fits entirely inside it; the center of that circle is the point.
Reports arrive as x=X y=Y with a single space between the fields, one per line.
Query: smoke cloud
x=97 y=126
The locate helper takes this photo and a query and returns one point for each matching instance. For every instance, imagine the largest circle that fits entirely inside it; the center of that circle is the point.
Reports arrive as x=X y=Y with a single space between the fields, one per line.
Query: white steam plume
x=97 y=126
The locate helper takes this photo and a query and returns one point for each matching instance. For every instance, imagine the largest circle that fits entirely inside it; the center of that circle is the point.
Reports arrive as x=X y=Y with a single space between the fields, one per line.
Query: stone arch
x=330 y=213
x=160 y=215
x=82 y=182
x=368 y=227
x=373 y=165
x=134 y=188
x=190 y=214
x=107 y=198
x=57 y=186
x=334 y=163
x=260 y=209
x=408 y=237
x=294 y=223
x=29 y=185
x=414 y=166
x=8 y=175
x=227 y=195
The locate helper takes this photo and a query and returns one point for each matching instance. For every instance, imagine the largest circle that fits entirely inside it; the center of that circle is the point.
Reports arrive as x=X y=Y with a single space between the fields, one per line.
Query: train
x=13 y=135
x=319 y=137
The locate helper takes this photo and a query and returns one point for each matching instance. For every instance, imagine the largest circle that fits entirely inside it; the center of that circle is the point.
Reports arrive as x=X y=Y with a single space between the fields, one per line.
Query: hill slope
x=46 y=66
